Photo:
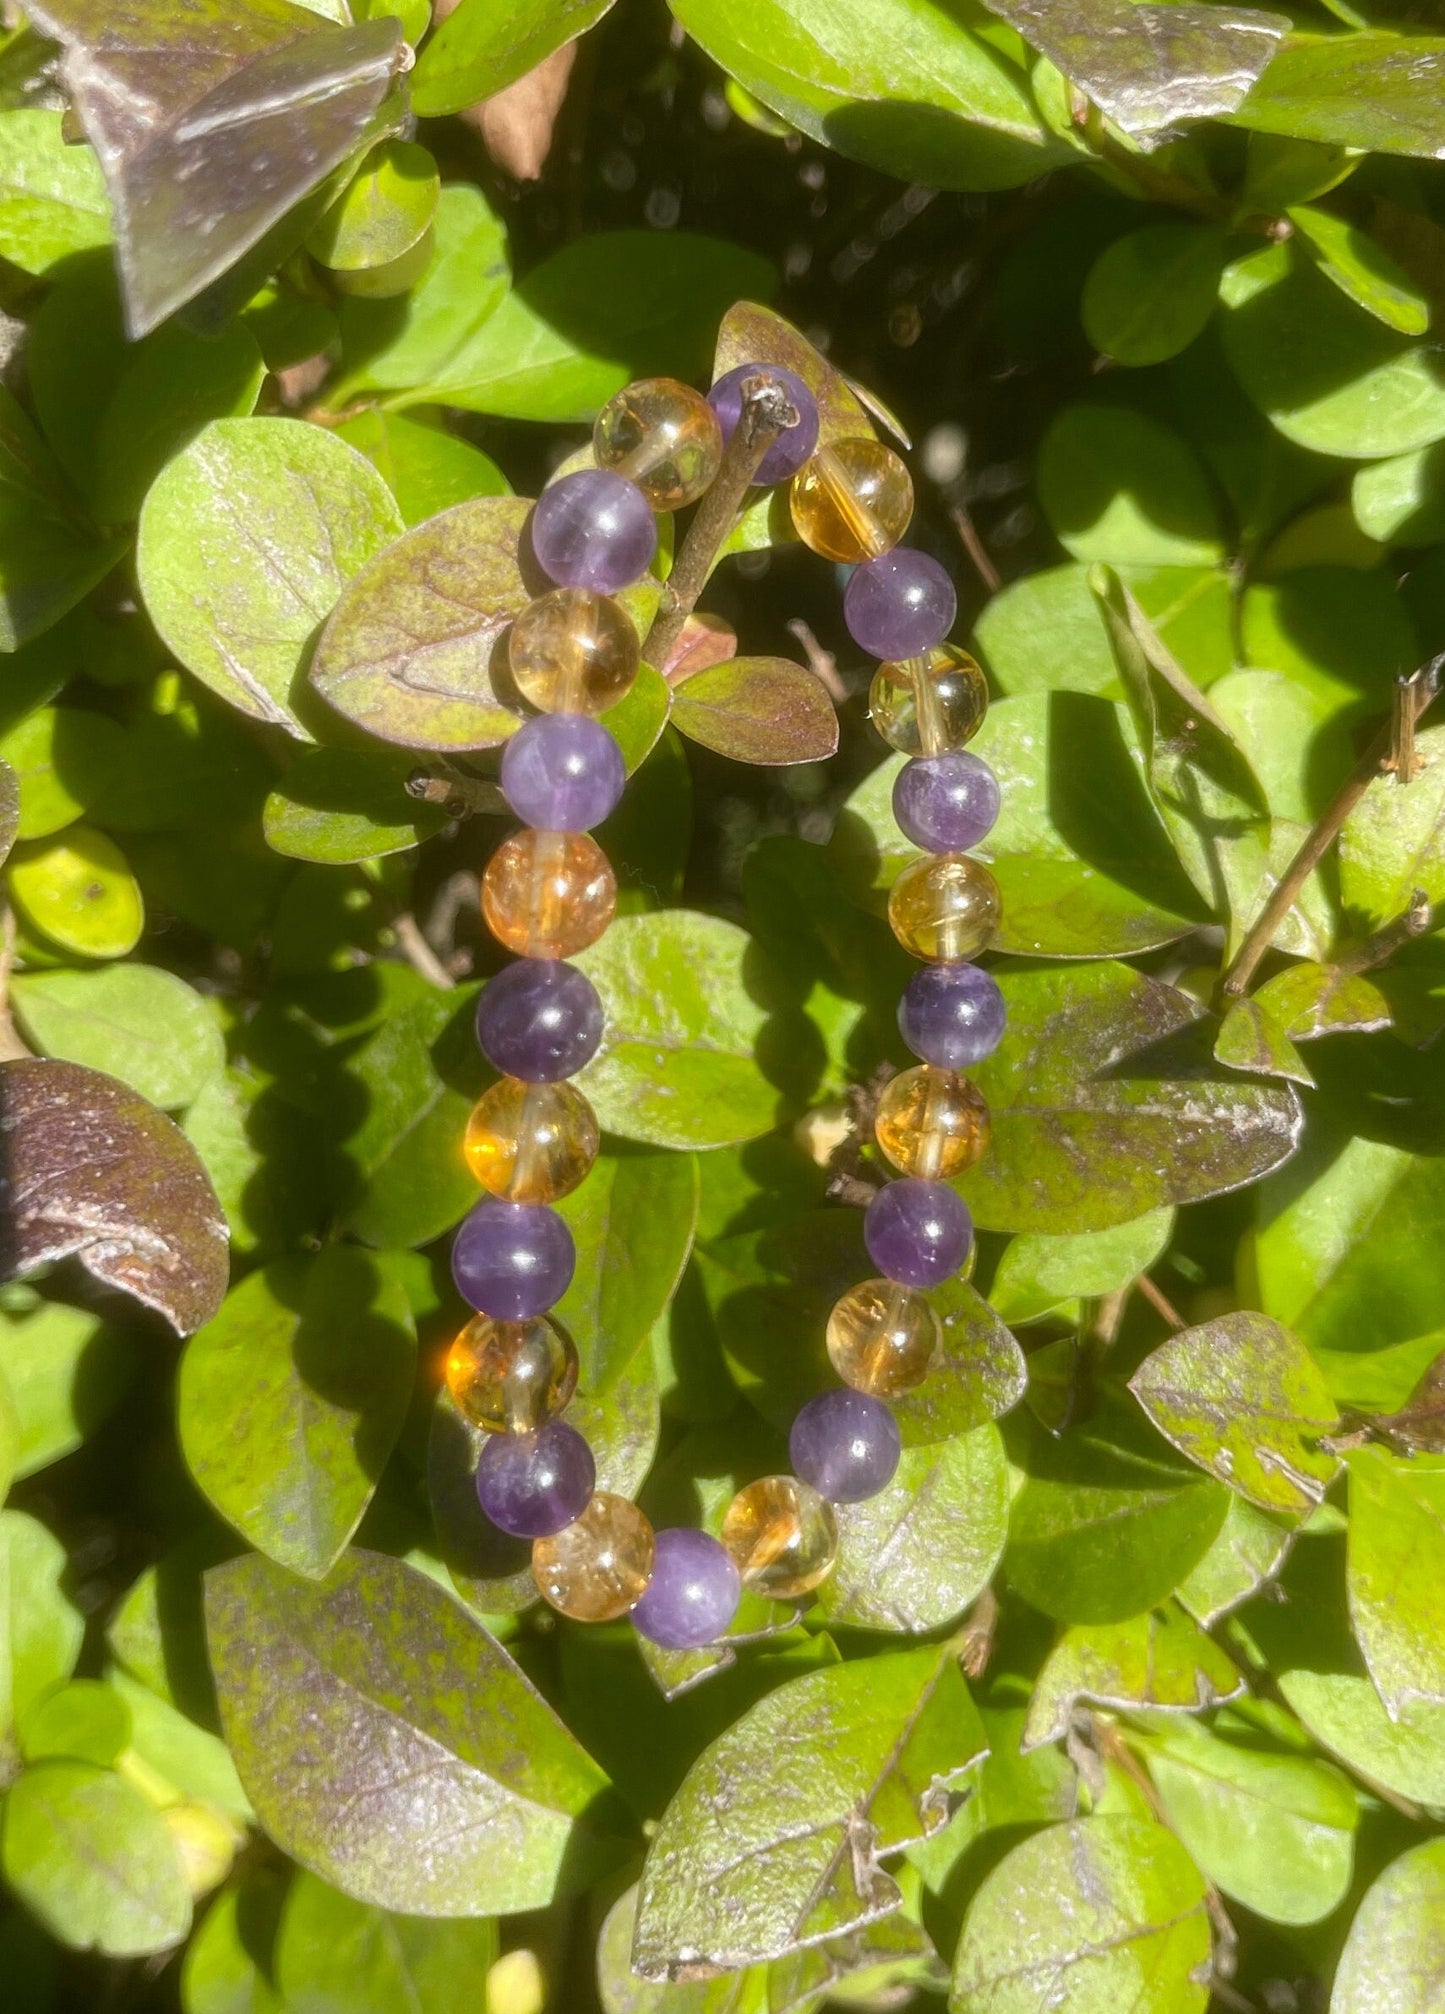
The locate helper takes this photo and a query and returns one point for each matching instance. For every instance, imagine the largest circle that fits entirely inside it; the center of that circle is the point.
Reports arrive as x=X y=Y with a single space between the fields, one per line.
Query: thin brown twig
x=1160 y=1302
x=417 y=952
x=974 y=546
x=822 y=663
x=1386 y=941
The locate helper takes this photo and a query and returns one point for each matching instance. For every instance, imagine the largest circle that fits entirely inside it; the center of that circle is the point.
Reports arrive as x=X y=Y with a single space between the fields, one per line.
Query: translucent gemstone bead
x=512 y=1260
x=532 y=1485
x=952 y=1015
x=900 y=604
x=781 y=1536
x=531 y=1143
x=954 y=695
x=564 y=772
x=693 y=1594
x=882 y=1338
x=511 y=1377
x=918 y=1233
x=593 y=529
x=931 y=1122
x=852 y=501
x=573 y=651
x=663 y=436
x=944 y=907
x=599 y=1567
x=795 y=444
x=947 y=802
x=548 y=894
x=539 y=1020
x=845 y=1445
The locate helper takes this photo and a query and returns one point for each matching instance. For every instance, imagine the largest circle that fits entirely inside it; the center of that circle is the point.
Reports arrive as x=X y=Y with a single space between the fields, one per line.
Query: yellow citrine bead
x=882 y=1338
x=573 y=651
x=548 y=894
x=663 y=436
x=531 y=1143
x=511 y=1377
x=781 y=1536
x=852 y=501
x=596 y=1568
x=932 y=1123
x=954 y=696
x=944 y=907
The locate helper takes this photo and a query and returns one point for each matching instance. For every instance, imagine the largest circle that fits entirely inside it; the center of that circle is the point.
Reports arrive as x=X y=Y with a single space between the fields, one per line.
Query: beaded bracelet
x=548 y=892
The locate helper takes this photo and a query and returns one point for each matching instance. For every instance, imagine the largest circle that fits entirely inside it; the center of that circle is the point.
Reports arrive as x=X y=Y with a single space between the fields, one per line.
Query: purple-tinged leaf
x=763 y=710
x=749 y=334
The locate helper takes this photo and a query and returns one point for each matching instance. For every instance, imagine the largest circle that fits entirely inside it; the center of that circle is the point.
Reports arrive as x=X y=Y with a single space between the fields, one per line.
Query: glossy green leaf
x=1046 y=630
x=338 y=804
x=52 y=196
x=64 y=1368
x=1251 y=1038
x=425 y=469
x=48 y=556
x=1148 y=296
x=179 y=1752
x=40 y=1631
x=1362 y=270
x=1395 y=1951
x=136 y=1022
x=1037 y=1274
x=228 y=1963
x=83 y=1721
x=1393 y=841
x=1401 y=501
x=387 y=209
x=364 y=1693
x=1309 y=1000
x=763 y=710
x=332 y=1951
x=289 y=1402
x=1118 y=486
x=78 y=890
x=1397 y=1573
x=1160 y=1662
x=632 y=1221
x=1282 y=171
x=1376 y=91
x=477 y=52
x=60 y=757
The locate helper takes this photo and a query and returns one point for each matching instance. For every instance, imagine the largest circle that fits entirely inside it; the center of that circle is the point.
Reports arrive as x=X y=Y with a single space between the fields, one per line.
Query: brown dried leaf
x=89 y=1169
x=763 y=710
x=1419 y=1426
x=517 y=124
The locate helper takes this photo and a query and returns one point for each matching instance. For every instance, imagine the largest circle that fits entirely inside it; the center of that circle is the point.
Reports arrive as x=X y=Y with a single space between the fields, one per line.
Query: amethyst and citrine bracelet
x=548 y=892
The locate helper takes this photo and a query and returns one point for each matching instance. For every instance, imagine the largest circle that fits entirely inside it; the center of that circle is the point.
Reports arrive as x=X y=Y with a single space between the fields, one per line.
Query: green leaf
x=1038 y=1274
x=763 y=710
x=65 y=1369
x=1309 y=1000
x=239 y=612
x=1396 y=1944
x=477 y=52
x=387 y=209
x=426 y=469
x=60 y=757
x=1397 y=1573
x=364 y=1693
x=1148 y=296
x=180 y=1753
x=49 y=558
x=773 y=1842
x=1100 y=1914
x=1118 y=486
x=136 y=1022
x=52 y=196
x=78 y=891
x=1046 y=631
x=1363 y=271
x=1280 y=171
x=332 y=1952
x=632 y=1221
x=40 y=1632
x=1401 y=501
x=1160 y=1661
x=338 y=804
x=94 y=1861
x=1341 y=635
x=1251 y=1038
x=1376 y=91
x=1393 y=842
x=83 y=1721
x=290 y=1401
x=228 y=1963
x=750 y=334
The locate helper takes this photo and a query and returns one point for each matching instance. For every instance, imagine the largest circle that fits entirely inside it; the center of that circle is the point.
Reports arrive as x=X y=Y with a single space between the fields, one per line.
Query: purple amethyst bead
x=539 y=1020
x=531 y=1485
x=563 y=772
x=900 y=604
x=693 y=1594
x=846 y=1445
x=512 y=1260
x=943 y=803
x=593 y=529
x=794 y=445
x=918 y=1233
x=951 y=1015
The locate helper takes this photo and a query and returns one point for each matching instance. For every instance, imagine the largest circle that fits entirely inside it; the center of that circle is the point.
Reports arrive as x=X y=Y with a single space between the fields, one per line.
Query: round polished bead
x=781 y=1536
x=539 y=1020
x=845 y=1445
x=882 y=1338
x=946 y=803
x=663 y=436
x=573 y=651
x=593 y=529
x=952 y=1015
x=693 y=1594
x=531 y=1143
x=795 y=444
x=853 y=501
x=548 y=894
x=918 y=1233
x=944 y=907
x=931 y=1122
x=954 y=699
x=532 y=1485
x=564 y=772
x=599 y=1567
x=511 y=1377
x=512 y=1260
x=900 y=604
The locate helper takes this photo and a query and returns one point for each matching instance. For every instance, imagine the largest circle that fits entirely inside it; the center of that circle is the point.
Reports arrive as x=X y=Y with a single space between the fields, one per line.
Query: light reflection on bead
x=531 y=1143
x=781 y=1536
x=663 y=436
x=932 y=1123
x=511 y=1377
x=882 y=1338
x=573 y=651
x=599 y=1566
x=944 y=907
x=955 y=702
x=548 y=894
x=852 y=501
